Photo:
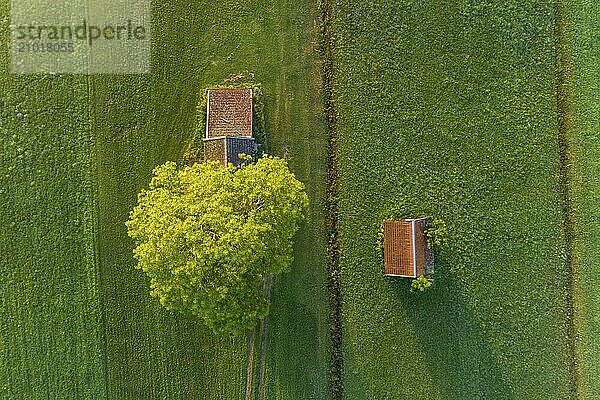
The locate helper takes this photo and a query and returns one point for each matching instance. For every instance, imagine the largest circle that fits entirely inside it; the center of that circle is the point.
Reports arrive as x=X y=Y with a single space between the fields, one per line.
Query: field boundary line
x=332 y=221
x=566 y=139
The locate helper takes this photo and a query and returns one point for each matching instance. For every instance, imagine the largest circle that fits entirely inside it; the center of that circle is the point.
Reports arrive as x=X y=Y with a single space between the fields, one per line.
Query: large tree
x=208 y=235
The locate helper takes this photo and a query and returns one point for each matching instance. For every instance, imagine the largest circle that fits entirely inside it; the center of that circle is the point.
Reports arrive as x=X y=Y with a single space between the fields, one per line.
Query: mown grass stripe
x=92 y=224
x=51 y=334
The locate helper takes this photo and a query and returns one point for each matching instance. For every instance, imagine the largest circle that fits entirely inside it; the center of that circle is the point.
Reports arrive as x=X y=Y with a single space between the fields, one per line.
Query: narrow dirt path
x=250 y=357
x=250 y=363
x=566 y=139
x=264 y=342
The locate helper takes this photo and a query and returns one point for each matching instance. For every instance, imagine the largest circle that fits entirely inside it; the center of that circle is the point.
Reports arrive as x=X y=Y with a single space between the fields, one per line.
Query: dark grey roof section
x=226 y=149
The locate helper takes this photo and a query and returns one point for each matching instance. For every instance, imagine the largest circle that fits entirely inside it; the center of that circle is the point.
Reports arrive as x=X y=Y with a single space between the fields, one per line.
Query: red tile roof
x=405 y=248
x=229 y=113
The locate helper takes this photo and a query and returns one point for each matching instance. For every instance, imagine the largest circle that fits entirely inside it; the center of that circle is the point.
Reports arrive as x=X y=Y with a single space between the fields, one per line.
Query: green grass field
x=77 y=320
x=583 y=33
x=445 y=108
x=449 y=109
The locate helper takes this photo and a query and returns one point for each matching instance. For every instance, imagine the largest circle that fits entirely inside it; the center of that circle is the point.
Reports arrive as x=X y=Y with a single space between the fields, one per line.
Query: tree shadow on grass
x=459 y=356
x=293 y=354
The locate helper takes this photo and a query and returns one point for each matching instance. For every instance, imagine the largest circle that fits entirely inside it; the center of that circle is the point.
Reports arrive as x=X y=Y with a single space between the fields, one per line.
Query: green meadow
x=448 y=109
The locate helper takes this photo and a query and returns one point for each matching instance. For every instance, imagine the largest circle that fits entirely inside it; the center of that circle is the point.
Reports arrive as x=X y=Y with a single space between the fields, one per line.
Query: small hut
x=405 y=248
x=229 y=126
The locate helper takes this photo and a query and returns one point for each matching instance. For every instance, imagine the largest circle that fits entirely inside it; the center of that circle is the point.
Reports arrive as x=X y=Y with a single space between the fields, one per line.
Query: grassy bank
x=583 y=41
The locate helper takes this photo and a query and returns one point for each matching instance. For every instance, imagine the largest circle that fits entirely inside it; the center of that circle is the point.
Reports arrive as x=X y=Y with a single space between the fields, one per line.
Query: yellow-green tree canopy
x=207 y=236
